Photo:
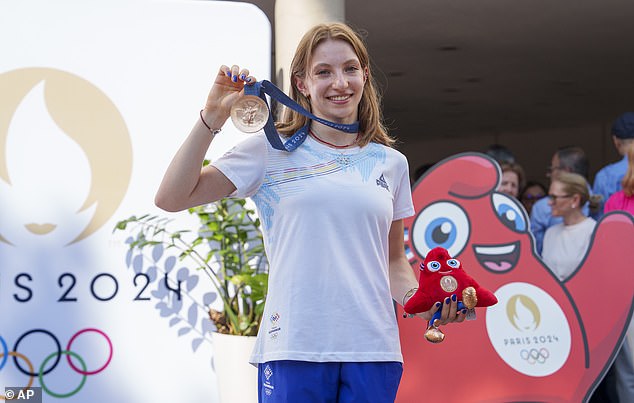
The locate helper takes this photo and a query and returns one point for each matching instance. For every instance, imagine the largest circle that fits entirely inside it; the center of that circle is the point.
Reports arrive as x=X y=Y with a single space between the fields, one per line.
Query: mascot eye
x=433 y=266
x=442 y=224
x=453 y=263
x=510 y=213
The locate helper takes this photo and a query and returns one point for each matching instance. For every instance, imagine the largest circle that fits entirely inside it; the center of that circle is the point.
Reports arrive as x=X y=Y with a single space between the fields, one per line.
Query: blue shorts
x=328 y=382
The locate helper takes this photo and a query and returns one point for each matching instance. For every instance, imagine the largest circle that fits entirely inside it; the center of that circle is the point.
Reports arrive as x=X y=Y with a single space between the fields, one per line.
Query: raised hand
x=227 y=88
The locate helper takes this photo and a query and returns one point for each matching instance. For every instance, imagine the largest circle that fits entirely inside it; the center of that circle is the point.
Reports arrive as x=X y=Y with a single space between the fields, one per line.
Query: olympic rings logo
x=56 y=355
x=534 y=356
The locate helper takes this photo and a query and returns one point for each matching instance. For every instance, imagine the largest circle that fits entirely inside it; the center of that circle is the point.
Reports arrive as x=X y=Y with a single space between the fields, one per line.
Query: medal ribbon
x=260 y=88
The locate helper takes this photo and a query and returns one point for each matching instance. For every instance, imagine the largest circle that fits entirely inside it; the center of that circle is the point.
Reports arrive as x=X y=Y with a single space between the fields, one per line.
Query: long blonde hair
x=628 y=179
x=371 y=125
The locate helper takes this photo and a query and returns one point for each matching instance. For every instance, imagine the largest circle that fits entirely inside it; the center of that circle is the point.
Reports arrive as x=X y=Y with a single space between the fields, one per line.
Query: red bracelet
x=212 y=131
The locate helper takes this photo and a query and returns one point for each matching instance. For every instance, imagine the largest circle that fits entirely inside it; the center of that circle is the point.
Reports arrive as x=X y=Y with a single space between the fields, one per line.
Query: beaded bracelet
x=212 y=131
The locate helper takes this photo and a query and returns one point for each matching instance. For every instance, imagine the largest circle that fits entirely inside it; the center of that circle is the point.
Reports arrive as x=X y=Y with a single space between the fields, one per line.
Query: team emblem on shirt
x=268 y=386
x=382 y=182
x=275 y=329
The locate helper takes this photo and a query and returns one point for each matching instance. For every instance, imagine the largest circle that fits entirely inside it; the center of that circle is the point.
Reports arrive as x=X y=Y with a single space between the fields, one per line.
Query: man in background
x=608 y=180
x=566 y=159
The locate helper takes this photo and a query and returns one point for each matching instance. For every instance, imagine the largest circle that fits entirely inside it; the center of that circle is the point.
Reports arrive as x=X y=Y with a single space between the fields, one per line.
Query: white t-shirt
x=326 y=215
x=566 y=245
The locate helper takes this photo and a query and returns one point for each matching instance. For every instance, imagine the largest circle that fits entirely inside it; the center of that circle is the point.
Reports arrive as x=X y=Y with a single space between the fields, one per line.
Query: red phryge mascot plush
x=442 y=276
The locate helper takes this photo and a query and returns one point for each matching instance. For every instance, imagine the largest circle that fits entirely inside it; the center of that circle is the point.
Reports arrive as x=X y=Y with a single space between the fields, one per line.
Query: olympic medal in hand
x=249 y=113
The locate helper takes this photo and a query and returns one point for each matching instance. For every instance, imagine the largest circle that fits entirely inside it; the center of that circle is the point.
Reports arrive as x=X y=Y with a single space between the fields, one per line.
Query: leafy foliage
x=227 y=248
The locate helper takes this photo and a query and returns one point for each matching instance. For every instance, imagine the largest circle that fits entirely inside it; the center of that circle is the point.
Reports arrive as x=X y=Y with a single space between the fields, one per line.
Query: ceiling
x=465 y=67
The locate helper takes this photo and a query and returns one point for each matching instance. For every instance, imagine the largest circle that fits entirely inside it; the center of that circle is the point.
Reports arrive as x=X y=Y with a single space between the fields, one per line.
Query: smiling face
x=334 y=81
x=488 y=232
x=510 y=183
x=439 y=262
x=458 y=209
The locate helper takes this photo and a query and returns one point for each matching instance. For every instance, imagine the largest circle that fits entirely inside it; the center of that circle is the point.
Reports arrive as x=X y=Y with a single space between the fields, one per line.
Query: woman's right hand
x=227 y=88
x=184 y=184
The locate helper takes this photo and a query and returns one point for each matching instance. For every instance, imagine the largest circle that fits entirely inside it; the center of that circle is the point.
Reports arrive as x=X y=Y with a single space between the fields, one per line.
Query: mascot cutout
x=545 y=340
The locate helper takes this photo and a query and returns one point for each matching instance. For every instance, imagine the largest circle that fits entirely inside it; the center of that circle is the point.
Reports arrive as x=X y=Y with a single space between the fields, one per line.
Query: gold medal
x=469 y=297
x=434 y=335
x=249 y=113
x=448 y=283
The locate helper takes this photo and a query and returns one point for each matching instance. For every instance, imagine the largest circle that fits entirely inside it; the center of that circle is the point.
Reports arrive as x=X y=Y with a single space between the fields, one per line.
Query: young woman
x=618 y=383
x=566 y=243
x=332 y=214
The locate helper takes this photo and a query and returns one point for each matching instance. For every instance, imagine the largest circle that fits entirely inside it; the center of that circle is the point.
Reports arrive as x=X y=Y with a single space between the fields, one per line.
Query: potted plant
x=227 y=248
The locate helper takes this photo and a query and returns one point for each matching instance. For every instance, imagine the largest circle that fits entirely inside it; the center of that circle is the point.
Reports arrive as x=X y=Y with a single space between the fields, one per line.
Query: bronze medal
x=249 y=113
x=448 y=283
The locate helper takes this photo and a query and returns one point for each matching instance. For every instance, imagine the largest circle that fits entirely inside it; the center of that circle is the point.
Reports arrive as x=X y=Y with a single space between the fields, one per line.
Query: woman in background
x=618 y=383
x=532 y=192
x=512 y=179
x=566 y=243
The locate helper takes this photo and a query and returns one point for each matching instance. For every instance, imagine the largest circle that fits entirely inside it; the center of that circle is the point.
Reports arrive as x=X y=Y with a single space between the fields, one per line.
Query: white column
x=292 y=19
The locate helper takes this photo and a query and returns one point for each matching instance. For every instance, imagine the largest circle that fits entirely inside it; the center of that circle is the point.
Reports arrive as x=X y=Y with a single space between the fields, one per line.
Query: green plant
x=227 y=247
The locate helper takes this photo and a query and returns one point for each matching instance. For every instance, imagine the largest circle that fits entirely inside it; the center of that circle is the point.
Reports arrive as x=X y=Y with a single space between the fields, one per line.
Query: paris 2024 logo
x=65 y=157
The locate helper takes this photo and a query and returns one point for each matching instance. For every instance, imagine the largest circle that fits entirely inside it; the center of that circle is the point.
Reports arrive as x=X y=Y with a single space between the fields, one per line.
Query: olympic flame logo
x=523 y=313
x=52 y=360
x=65 y=155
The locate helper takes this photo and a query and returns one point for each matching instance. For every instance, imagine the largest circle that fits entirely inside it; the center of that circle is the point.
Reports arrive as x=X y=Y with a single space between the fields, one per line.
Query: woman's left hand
x=449 y=312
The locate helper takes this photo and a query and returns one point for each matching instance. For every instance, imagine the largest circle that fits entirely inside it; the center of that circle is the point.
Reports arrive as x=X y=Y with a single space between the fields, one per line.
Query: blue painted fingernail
x=248 y=79
x=438 y=304
x=234 y=79
x=228 y=74
x=242 y=77
x=447 y=300
x=453 y=297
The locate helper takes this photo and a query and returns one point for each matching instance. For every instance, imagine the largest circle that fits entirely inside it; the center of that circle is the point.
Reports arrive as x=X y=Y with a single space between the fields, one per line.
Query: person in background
x=420 y=171
x=532 y=192
x=566 y=243
x=624 y=199
x=500 y=153
x=512 y=179
x=332 y=213
x=566 y=159
x=608 y=180
x=618 y=383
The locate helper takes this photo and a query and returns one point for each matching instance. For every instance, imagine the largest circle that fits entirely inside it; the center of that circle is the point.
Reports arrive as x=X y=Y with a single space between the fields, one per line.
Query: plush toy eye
x=433 y=266
x=453 y=263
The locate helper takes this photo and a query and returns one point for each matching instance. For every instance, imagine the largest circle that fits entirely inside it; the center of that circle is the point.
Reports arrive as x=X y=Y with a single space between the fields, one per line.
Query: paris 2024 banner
x=95 y=98
x=545 y=340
